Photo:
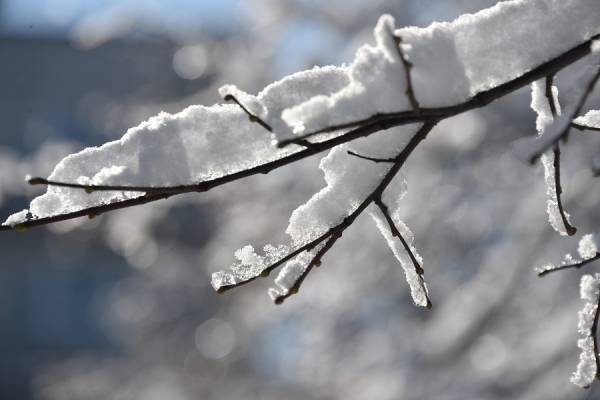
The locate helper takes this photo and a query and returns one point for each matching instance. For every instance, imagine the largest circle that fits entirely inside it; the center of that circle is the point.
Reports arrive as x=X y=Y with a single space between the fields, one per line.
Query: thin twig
x=410 y=93
x=377 y=160
x=585 y=127
x=253 y=118
x=396 y=233
x=594 y=335
x=571 y=230
x=317 y=259
x=363 y=128
x=576 y=265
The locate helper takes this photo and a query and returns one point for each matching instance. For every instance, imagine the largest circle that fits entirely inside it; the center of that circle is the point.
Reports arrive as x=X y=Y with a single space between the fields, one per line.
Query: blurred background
x=121 y=307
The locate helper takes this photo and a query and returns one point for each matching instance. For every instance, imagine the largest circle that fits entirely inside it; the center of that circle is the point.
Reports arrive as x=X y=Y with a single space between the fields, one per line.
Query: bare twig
x=253 y=118
x=410 y=93
x=377 y=160
x=571 y=230
x=549 y=95
x=576 y=265
x=594 y=335
x=363 y=128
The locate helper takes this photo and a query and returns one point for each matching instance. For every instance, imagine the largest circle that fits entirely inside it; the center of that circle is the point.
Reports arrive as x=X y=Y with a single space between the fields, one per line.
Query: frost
x=586 y=369
x=586 y=318
x=591 y=118
x=16 y=218
x=590 y=288
x=587 y=249
x=554 y=215
x=251 y=265
x=540 y=104
x=588 y=246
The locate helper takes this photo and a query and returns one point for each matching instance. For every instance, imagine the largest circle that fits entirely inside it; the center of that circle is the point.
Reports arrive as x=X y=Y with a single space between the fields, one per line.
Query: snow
x=591 y=118
x=250 y=102
x=251 y=265
x=586 y=318
x=16 y=218
x=586 y=370
x=588 y=246
x=203 y=143
x=540 y=104
x=528 y=149
x=418 y=288
x=279 y=96
x=377 y=84
x=450 y=63
x=350 y=180
x=587 y=249
x=515 y=41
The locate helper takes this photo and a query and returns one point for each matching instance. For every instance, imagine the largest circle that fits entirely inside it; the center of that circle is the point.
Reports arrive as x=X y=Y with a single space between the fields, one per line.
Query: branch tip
x=221 y=290
x=36 y=180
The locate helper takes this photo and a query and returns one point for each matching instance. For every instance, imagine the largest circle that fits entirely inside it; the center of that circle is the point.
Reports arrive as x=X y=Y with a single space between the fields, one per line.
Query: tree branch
x=576 y=110
x=418 y=269
x=363 y=128
x=575 y=265
x=481 y=99
x=335 y=232
x=376 y=160
x=407 y=67
x=571 y=230
x=594 y=335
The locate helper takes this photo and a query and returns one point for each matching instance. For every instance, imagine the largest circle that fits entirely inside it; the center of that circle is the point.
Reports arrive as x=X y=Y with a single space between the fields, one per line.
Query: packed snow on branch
x=541 y=105
x=587 y=368
x=451 y=62
x=591 y=119
x=527 y=150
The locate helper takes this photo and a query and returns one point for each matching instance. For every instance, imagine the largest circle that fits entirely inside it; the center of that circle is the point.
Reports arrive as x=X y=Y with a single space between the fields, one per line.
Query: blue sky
x=56 y=17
